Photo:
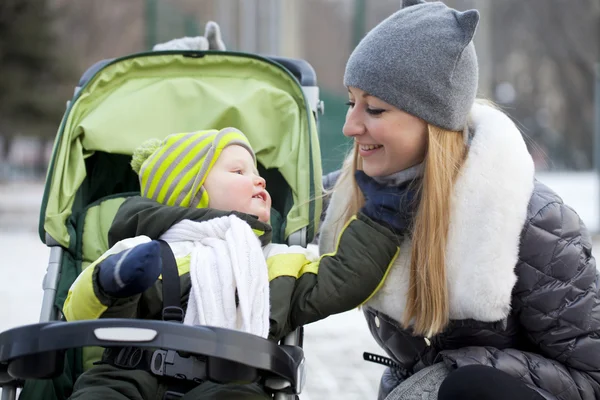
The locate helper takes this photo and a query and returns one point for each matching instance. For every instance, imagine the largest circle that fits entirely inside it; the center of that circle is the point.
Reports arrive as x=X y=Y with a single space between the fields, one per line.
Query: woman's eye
x=371 y=111
x=375 y=111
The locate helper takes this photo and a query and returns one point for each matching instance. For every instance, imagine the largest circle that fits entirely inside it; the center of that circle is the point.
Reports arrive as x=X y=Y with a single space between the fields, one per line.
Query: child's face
x=233 y=184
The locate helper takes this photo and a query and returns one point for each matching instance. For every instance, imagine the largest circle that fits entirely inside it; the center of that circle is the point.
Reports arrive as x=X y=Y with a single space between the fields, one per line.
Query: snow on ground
x=333 y=347
x=580 y=191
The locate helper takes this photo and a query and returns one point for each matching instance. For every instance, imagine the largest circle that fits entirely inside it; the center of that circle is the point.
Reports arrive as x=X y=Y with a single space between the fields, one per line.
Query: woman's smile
x=367 y=150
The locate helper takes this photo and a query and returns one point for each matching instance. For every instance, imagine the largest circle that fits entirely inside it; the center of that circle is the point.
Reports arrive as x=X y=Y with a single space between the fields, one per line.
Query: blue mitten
x=390 y=206
x=131 y=271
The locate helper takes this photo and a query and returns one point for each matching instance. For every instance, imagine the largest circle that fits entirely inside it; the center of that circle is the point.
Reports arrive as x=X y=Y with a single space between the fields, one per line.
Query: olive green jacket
x=302 y=289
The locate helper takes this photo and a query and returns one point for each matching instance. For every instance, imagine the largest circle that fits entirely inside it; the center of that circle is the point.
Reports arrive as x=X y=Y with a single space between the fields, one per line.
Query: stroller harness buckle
x=128 y=357
x=169 y=363
x=172 y=313
x=161 y=363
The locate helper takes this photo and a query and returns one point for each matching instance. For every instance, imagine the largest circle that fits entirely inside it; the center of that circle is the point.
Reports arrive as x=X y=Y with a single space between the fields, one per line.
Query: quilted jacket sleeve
x=557 y=302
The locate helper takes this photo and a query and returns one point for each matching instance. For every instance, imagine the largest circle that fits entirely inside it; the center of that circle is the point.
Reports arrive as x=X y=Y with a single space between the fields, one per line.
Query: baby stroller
x=117 y=105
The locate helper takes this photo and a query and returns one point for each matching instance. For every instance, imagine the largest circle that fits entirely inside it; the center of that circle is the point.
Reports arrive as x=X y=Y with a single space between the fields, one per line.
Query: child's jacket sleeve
x=86 y=300
x=305 y=290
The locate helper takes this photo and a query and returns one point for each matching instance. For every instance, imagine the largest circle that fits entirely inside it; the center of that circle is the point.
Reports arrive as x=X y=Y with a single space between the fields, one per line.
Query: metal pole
x=597 y=128
x=249 y=14
x=483 y=45
x=596 y=155
x=291 y=42
x=263 y=26
x=9 y=392
x=269 y=27
x=359 y=22
x=224 y=19
x=50 y=285
x=151 y=17
x=275 y=27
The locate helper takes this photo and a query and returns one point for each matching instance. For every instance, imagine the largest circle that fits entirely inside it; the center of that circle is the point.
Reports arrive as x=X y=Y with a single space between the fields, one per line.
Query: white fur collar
x=490 y=201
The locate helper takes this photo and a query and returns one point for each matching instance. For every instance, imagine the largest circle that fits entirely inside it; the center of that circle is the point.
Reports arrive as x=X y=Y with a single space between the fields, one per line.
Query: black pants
x=478 y=382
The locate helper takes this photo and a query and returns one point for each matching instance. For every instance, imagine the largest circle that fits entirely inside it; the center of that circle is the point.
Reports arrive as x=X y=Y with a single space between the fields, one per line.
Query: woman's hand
x=389 y=206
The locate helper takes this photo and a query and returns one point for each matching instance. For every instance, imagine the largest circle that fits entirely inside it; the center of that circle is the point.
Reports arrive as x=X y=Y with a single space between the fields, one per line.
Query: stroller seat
x=119 y=105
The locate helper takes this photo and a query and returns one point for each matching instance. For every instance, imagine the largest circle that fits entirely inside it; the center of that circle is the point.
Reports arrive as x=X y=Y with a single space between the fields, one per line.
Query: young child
x=217 y=169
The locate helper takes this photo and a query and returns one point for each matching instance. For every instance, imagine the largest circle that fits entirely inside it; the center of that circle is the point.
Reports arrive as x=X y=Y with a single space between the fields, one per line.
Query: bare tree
x=32 y=71
x=96 y=30
x=546 y=49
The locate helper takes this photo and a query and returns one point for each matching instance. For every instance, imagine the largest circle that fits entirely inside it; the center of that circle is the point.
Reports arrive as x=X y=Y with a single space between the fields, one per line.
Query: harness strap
x=388 y=362
x=171 y=287
x=186 y=372
x=128 y=357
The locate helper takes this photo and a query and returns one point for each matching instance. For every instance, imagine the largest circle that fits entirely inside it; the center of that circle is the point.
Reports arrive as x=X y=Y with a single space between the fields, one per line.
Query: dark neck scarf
x=407 y=183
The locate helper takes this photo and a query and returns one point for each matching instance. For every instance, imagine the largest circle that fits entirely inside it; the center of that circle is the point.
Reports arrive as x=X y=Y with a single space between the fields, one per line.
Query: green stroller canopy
x=152 y=95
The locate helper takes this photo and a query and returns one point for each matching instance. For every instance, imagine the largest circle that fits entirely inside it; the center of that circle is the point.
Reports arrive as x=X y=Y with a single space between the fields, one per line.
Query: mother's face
x=389 y=140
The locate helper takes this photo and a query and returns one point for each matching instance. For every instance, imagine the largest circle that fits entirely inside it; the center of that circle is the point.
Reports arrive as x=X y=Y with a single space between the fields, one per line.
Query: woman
x=495 y=278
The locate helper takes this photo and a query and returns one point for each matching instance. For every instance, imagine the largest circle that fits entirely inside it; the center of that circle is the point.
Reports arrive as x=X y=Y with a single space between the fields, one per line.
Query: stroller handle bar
x=301 y=69
x=37 y=351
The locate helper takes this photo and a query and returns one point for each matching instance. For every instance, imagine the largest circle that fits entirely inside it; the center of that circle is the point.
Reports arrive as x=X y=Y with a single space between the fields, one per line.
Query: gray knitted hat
x=421 y=60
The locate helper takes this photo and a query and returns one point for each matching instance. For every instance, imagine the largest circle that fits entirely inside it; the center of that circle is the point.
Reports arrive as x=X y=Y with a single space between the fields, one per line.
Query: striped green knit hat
x=173 y=171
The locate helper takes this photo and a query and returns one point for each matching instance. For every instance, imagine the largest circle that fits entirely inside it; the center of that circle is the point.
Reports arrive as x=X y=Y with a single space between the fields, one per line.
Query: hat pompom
x=141 y=154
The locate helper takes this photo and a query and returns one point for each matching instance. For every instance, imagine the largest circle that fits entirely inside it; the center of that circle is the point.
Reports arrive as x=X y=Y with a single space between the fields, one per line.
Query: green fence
x=334 y=145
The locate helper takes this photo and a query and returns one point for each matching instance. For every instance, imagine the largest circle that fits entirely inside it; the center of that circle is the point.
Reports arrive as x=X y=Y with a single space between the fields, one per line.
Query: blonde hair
x=427 y=308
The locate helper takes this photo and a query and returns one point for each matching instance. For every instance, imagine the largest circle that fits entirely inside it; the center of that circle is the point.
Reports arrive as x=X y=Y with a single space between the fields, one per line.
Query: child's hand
x=131 y=271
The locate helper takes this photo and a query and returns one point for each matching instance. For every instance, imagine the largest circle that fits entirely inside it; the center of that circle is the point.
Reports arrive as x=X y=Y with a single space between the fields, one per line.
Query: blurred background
x=538 y=61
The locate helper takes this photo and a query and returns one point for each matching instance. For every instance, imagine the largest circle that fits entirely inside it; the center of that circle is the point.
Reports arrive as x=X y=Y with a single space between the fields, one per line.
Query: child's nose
x=260 y=181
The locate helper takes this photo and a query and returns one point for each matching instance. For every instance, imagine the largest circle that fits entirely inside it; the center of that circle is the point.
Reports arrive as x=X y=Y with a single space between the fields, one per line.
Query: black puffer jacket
x=523 y=285
x=551 y=339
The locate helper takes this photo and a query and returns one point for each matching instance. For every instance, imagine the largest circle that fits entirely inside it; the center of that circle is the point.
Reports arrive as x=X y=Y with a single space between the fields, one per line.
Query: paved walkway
x=20 y=206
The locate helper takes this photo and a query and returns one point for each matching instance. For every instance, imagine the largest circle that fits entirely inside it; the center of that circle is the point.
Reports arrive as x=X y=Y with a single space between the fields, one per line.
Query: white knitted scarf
x=226 y=256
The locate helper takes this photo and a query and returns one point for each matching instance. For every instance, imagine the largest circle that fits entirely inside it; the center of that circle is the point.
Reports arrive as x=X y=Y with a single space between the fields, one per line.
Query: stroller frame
x=27 y=353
